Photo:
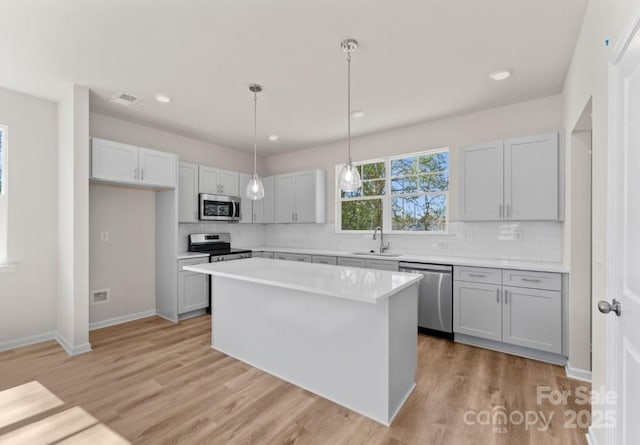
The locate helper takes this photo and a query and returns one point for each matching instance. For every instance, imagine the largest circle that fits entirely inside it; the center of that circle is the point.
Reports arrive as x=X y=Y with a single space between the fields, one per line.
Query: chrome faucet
x=383 y=246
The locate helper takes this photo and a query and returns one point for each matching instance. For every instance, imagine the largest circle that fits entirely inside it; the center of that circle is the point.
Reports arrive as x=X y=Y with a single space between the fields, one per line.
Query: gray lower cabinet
x=382 y=265
x=532 y=318
x=292 y=257
x=193 y=288
x=352 y=262
x=528 y=314
x=477 y=310
x=323 y=259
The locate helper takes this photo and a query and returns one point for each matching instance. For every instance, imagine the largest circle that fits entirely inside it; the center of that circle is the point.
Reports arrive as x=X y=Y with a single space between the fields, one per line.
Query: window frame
x=387 y=224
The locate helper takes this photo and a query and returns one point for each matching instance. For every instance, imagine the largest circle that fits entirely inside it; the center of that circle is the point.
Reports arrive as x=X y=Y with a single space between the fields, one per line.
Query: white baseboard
x=27 y=341
x=73 y=350
x=591 y=438
x=122 y=319
x=576 y=373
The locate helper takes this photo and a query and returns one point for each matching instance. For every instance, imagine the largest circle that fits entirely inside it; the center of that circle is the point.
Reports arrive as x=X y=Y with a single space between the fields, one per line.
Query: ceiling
x=418 y=60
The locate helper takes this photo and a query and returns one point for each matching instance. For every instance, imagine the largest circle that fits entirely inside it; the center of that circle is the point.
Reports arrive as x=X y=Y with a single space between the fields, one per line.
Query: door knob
x=605 y=307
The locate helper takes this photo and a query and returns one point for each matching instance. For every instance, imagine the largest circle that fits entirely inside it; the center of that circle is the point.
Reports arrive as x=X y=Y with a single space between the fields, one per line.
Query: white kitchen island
x=346 y=334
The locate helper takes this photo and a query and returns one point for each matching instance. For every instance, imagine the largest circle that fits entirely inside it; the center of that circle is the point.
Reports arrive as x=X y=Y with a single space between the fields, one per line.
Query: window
x=407 y=193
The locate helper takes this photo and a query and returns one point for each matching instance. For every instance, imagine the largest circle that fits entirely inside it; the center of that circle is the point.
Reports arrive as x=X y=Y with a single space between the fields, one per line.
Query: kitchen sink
x=391 y=255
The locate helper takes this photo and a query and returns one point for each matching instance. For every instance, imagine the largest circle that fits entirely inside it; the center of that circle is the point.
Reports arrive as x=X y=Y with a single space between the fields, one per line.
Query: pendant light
x=350 y=180
x=255 y=189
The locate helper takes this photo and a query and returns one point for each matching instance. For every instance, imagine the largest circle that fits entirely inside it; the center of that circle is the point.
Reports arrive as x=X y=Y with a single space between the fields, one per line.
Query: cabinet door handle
x=506 y=296
x=477 y=275
x=142 y=174
x=508 y=210
x=500 y=210
x=135 y=173
x=531 y=280
x=498 y=295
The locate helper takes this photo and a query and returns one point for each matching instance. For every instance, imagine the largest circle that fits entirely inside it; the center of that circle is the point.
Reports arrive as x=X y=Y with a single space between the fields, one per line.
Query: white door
x=113 y=161
x=481 y=182
x=623 y=260
x=187 y=192
x=531 y=177
x=285 y=198
x=157 y=168
x=305 y=197
x=246 y=204
x=208 y=180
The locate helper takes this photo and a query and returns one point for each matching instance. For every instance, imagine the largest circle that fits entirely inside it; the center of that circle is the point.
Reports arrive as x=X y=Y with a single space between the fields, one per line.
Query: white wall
x=539 y=241
x=28 y=295
x=125 y=264
x=73 y=220
x=537 y=116
x=587 y=78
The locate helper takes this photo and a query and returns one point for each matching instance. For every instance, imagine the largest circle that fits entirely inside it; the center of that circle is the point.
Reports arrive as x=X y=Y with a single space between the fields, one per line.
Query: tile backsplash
x=526 y=241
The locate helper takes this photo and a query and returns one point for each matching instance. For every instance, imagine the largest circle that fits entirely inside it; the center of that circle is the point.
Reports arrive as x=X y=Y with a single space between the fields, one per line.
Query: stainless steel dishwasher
x=435 y=302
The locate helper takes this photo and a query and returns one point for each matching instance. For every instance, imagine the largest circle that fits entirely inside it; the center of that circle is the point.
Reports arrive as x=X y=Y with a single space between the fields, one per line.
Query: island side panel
x=334 y=347
x=403 y=347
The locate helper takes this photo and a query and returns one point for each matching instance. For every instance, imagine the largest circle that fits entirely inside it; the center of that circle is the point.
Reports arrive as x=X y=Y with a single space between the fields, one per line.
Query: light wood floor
x=154 y=382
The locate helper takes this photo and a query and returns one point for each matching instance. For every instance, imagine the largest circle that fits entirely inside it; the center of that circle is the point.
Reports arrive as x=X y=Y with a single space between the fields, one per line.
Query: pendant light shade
x=350 y=180
x=255 y=189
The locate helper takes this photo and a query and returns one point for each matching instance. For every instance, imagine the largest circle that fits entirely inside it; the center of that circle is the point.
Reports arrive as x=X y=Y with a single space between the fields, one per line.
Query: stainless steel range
x=218 y=246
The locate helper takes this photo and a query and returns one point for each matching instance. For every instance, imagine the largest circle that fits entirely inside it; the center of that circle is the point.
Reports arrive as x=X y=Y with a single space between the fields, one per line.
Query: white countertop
x=353 y=283
x=189 y=255
x=454 y=261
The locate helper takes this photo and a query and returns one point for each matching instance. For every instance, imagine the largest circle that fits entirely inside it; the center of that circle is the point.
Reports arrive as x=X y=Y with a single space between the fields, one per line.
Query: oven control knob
x=220 y=258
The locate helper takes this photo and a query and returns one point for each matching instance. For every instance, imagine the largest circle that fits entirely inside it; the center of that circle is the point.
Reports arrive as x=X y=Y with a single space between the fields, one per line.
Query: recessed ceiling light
x=501 y=75
x=273 y=137
x=357 y=114
x=162 y=98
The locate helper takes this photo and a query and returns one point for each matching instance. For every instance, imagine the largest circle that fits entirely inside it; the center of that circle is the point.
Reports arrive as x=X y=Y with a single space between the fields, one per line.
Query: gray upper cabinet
x=481 y=182
x=246 y=205
x=217 y=182
x=301 y=197
x=517 y=179
x=531 y=177
x=187 y=192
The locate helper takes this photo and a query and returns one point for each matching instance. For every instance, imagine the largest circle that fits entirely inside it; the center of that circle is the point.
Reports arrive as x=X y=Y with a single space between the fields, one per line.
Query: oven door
x=219 y=208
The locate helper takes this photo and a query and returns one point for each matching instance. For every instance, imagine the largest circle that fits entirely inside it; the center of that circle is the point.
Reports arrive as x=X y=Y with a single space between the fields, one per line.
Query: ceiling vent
x=125 y=99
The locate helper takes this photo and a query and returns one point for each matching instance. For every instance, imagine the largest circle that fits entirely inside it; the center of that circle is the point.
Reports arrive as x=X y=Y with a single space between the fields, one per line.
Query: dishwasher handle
x=424 y=266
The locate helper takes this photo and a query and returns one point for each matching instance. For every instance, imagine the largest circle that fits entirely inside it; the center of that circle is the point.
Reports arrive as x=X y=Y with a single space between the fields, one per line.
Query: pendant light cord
x=255 y=133
x=348 y=107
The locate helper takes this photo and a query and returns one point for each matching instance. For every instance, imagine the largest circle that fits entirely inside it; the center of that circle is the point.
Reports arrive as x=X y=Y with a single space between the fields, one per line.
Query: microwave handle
x=236 y=209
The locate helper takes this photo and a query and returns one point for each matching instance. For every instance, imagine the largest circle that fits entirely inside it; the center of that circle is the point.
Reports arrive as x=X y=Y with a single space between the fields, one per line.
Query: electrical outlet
x=468 y=235
x=517 y=234
x=442 y=245
x=104 y=237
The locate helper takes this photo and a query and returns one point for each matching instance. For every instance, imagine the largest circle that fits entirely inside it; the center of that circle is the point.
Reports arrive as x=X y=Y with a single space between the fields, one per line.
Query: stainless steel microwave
x=219 y=208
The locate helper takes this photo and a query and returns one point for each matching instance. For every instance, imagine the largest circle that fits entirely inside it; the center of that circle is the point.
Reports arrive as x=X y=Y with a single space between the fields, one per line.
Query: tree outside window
x=411 y=191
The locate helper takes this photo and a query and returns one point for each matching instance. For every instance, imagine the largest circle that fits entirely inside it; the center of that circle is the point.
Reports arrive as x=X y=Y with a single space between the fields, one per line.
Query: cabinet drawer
x=292 y=257
x=532 y=280
x=351 y=262
x=191 y=262
x=321 y=259
x=382 y=265
x=477 y=275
